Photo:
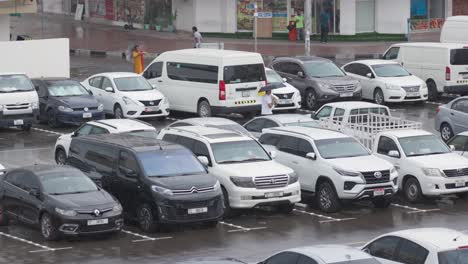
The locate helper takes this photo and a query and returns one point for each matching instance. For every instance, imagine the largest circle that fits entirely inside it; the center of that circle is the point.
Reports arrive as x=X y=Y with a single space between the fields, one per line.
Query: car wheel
x=52 y=119
x=327 y=199
x=286 y=208
x=446 y=132
x=433 y=93
x=48 y=229
x=311 y=99
x=118 y=113
x=204 y=109
x=381 y=202
x=60 y=157
x=412 y=190
x=379 y=97
x=228 y=211
x=3 y=216
x=146 y=219
x=26 y=128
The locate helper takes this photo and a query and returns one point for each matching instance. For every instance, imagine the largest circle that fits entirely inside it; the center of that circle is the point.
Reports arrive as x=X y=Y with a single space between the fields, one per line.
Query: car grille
x=276 y=181
x=456 y=173
x=453 y=186
x=151 y=113
x=96 y=228
x=178 y=210
x=21 y=116
x=17 y=106
x=284 y=96
x=82 y=108
x=284 y=105
x=410 y=89
x=194 y=190
x=371 y=179
x=344 y=88
x=151 y=103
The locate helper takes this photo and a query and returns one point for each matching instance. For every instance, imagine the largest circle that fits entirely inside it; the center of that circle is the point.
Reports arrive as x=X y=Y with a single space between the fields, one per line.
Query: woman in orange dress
x=138 y=62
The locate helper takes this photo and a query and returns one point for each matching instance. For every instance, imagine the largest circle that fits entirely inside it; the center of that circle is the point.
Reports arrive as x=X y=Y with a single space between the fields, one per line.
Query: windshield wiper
x=12 y=91
x=229 y=161
x=426 y=154
x=77 y=192
x=254 y=159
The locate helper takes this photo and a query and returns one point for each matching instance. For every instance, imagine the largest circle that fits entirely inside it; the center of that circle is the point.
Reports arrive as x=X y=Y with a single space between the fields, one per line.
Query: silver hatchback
x=452 y=118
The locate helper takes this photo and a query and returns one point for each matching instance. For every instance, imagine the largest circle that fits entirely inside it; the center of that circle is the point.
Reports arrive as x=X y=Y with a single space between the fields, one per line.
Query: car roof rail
x=142 y=122
x=105 y=124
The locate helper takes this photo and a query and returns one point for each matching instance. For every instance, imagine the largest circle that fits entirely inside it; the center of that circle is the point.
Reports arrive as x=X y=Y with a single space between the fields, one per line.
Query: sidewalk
x=105 y=38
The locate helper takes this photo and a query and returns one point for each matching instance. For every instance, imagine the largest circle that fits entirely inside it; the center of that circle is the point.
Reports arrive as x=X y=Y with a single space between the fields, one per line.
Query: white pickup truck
x=426 y=165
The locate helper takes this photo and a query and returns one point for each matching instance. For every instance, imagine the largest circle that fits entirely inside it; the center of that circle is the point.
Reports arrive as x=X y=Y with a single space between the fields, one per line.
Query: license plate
x=151 y=109
x=346 y=94
x=198 y=210
x=412 y=94
x=285 y=101
x=459 y=184
x=18 y=122
x=87 y=115
x=98 y=222
x=379 y=192
x=273 y=194
x=245 y=94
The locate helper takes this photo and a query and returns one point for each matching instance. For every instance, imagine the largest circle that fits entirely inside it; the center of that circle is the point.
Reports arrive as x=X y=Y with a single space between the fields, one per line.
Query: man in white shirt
x=197 y=38
x=267 y=103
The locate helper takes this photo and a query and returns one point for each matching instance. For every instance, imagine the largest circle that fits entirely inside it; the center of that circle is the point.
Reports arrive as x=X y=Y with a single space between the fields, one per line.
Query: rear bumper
x=236 y=109
x=458 y=89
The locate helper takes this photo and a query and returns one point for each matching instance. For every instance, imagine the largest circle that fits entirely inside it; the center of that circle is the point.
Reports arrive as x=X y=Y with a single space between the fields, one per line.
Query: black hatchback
x=59 y=199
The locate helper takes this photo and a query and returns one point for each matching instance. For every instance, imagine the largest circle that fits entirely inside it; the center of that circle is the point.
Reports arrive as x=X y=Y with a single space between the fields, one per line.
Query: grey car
x=452 y=118
x=318 y=79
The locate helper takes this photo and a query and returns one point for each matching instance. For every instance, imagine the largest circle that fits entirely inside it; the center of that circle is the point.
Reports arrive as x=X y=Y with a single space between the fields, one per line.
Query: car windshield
x=453 y=257
x=67 y=182
x=390 y=70
x=303 y=124
x=136 y=83
x=423 y=145
x=323 y=69
x=170 y=162
x=273 y=77
x=143 y=133
x=336 y=148
x=15 y=83
x=67 y=89
x=238 y=152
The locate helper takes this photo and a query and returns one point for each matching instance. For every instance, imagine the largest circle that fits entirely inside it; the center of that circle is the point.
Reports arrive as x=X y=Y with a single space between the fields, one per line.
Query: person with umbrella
x=268 y=99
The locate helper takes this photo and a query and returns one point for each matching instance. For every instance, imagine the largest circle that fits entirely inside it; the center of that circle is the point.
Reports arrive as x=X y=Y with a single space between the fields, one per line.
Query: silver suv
x=319 y=80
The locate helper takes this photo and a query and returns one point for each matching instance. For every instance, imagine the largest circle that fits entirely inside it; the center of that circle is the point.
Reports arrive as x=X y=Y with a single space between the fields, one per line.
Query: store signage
x=265 y=14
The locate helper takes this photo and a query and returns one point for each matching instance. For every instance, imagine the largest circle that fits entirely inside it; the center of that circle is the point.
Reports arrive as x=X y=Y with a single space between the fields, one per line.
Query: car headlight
x=128 y=101
x=34 y=105
x=433 y=172
x=66 y=212
x=343 y=172
x=217 y=186
x=165 y=100
x=324 y=85
x=100 y=107
x=117 y=208
x=424 y=86
x=244 y=182
x=393 y=87
x=293 y=178
x=161 y=190
x=65 y=109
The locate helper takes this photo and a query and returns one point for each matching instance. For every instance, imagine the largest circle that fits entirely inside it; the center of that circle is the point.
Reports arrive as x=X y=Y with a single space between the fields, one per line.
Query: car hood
x=345 y=80
x=403 y=81
x=18 y=97
x=360 y=164
x=77 y=101
x=254 y=169
x=149 y=95
x=84 y=201
x=448 y=161
x=285 y=90
x=185 y=182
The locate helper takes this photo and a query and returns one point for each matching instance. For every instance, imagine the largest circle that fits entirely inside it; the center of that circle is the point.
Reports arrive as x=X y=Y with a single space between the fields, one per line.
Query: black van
x=155 y=181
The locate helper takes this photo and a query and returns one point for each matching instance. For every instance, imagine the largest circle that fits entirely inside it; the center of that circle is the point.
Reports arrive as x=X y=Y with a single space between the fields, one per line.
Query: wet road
x=250 y=237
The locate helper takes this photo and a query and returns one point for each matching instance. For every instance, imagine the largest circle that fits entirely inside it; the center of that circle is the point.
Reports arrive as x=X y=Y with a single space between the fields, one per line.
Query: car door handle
x=160 y=81
x=452 y=114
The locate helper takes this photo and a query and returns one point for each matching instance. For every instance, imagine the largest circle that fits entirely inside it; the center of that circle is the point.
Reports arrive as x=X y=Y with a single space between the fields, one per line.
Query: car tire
x=446 y=132
x=326 y=198
x=52 y=119
x=26 y=128
x=146 y=219
x=310 y=99
x=60 y=157
x=433 y=93
x=204 y=109
x=379 y=97
x=118 y=112
x=4 y=220
x=381 y=202
x=48 y=228
x=228 y=210
x=412 y=190
x=286 y=208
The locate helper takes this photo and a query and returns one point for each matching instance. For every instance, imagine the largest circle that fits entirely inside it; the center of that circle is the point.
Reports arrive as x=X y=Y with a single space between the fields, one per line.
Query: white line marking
x=329 y=219
x=144 y=238
x=53 y=249
x=48 y=131
x=414 y=209
x=423 y=211
x=44 y=248
x=301 y=205
x=240 y=228
x=153 y=239
x=248 y=229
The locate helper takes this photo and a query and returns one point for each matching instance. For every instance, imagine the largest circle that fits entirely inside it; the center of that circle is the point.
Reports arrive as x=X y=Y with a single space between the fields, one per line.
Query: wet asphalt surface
x=249 y=238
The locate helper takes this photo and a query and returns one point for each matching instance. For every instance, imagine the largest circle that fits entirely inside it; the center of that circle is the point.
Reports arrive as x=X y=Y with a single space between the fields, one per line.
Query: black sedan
x=66 y=102
x=59 y=199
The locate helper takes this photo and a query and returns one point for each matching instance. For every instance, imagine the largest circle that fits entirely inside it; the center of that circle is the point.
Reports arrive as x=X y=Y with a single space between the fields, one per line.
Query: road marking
x=240 y=228
x=329 y=218
x=414 y=210
x=44 y=248
x=144 y=238
x=48 y=131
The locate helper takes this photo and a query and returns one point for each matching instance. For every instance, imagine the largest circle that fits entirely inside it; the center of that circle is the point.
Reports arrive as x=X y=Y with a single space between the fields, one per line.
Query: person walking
x=299 y=20
x=138 y=61
x=268 y=102
x=197 y=38
x=324 y=26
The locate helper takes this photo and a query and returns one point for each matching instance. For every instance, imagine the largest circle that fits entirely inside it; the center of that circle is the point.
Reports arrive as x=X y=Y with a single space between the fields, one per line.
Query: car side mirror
x=109 y=89
x=273 y=154
x=394 y=154
x=34 y=192
x=313 y=115
x=285 y=80
x=452 y=147
x=204 y=160
x=75 y=134
x=369 y=75
x=300 y=74
x=311 y=156
x=154 y=86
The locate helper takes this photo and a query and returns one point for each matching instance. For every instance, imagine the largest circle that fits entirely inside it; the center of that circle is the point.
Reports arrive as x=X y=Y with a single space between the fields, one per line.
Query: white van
x=19 y=103
x=443 y=66
x=455 y=30
x=208 y=81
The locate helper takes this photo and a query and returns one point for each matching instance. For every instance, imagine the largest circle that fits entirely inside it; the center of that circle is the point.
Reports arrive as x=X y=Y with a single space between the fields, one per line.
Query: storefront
x=427 y=14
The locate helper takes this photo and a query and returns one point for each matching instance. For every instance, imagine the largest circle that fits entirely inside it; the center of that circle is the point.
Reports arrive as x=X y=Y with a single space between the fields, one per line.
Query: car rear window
x=459 y=57
x=453 y=257
x=244 y=73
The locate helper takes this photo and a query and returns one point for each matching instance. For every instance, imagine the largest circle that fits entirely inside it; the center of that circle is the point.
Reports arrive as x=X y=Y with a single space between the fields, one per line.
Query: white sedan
x=386 y=81
x=289 y=98
x=420 y=246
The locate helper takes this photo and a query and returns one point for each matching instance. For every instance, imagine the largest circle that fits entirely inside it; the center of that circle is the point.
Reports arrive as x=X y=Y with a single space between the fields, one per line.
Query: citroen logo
x=194 y=190
x=377 y=174
x=97 y=212
x=86 y=109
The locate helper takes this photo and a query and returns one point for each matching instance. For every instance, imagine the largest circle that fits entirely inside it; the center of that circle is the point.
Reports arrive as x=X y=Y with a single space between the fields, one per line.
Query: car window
x=192 y=72
x=361 y=69
x=289 y=144
x=384 y=247
x=293 y=68
x=23 y=180
x=154 y=70
x=459 y=142
x=99 y=157
x=392 y=53
x=15 y=178
x=84 y=130
x=411 y=252
x=461 y=105
x=244 y=73
x=324 y=112
x=269 y=123
x=106 y=83
x=283 y=258
x=186 y=142
x=339 y=113
x=304 y=147
x=98 y=130
x=459 y=56
x=306 y=260
x=269 y=139
x=95 y=82
x=255 y=125
x=170 y=138
x=386 y=145
x=200 y=149
x=128 y=161
x=278 y=67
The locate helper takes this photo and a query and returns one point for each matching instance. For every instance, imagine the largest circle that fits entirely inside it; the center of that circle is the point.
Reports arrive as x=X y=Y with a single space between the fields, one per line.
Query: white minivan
x=443 y=66
x=208 y=81
x=455 y=30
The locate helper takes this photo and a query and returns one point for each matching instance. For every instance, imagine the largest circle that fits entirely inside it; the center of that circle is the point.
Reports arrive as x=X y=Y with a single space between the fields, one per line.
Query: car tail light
x=447 y=73
x=222 y=90
x=463 y=247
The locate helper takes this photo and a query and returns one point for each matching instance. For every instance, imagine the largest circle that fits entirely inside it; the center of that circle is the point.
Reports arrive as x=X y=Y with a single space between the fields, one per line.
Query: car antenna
x=456 y=238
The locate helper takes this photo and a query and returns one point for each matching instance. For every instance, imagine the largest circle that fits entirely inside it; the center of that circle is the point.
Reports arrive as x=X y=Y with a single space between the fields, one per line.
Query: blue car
x=66 y=102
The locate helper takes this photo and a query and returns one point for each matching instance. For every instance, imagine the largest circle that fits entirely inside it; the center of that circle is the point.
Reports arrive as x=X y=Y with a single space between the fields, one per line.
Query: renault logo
x=377 y=174
x=97 y=212
x=86 y=109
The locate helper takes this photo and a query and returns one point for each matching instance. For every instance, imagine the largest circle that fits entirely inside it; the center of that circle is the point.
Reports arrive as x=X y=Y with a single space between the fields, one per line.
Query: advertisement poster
x=245 y=13
x=277 y=8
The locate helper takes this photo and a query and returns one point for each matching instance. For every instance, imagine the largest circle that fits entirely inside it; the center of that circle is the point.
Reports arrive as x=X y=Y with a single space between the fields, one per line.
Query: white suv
x=108 y=126
x=248 y=175
x=333 y=166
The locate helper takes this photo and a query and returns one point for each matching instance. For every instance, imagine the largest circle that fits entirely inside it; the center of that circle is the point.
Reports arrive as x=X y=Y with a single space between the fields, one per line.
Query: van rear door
x=459 y=66
x=242 y=83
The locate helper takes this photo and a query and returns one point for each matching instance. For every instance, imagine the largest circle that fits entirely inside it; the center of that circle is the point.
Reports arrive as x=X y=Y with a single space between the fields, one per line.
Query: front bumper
x=456 y=89
x=141 y=111
x=367 y=191
x=13 y=118
x=401 y=96
x=78 y=225
x=177 y=211
x=435 y=186
x=293 y=104
x=76 y=117
x=335 y=97
x=251 y=197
